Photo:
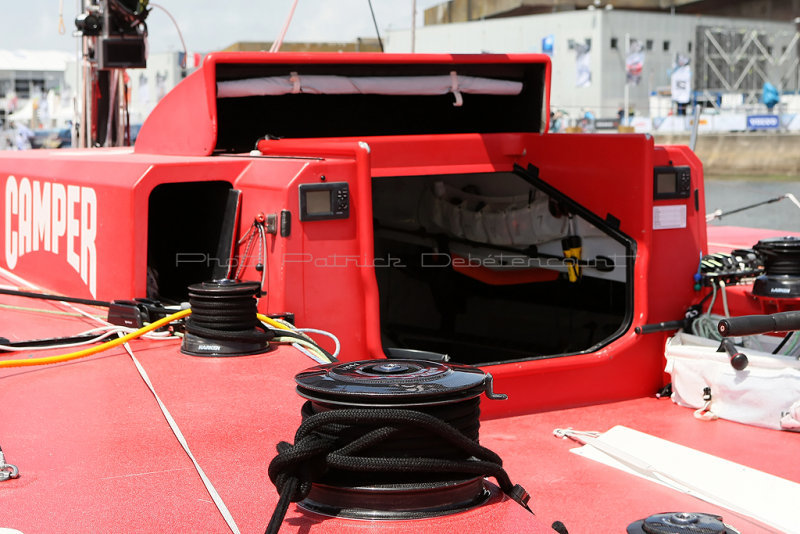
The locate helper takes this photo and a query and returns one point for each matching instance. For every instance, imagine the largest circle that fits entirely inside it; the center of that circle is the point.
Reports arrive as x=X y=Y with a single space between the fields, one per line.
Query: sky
x=212 y=25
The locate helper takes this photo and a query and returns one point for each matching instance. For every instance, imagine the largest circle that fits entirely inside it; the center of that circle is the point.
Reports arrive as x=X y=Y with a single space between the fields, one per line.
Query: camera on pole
x=121 y=32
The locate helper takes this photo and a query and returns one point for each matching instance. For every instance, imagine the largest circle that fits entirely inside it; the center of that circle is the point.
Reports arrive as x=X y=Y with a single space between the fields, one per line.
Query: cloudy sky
x=209 y=25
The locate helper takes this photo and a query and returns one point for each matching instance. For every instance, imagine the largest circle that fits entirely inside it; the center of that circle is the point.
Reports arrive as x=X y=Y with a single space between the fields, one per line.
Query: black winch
x=781 y=278
x=681 y=523
x=224 y=320
x=389 y=439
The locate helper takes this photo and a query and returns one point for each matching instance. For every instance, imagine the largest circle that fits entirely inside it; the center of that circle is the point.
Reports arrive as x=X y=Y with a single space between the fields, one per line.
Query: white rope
x=311 y=355
x=226 y=514
x=324 y=333
x=793 y=199
x=705 y=413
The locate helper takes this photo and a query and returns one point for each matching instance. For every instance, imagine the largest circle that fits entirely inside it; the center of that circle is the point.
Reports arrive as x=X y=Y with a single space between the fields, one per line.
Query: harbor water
x=732 y=194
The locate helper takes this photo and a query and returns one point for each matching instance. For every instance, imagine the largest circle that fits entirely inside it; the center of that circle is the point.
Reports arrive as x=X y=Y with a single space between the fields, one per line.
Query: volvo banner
x=763 y=122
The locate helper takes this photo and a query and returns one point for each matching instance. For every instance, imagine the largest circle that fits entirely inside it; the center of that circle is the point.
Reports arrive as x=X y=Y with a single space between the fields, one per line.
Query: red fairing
x=107 y=223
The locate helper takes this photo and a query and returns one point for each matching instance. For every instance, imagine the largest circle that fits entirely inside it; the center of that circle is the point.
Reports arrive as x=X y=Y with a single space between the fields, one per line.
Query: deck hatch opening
x=185 y=220
x=474 y=266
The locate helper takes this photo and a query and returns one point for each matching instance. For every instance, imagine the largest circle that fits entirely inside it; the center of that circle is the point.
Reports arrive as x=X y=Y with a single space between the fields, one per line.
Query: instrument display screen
x=672 y=182
x=320 y=202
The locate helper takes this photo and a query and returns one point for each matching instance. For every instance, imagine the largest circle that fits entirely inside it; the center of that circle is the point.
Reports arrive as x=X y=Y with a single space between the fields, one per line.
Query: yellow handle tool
x=572 y=253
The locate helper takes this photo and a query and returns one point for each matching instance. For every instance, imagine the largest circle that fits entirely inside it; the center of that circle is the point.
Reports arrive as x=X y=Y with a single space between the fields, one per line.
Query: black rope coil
x=226 y=310
x=781 y=255
x=384 y=446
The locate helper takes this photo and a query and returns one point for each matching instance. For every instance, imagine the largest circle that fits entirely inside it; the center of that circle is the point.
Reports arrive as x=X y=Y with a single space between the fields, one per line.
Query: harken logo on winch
x=52 y=217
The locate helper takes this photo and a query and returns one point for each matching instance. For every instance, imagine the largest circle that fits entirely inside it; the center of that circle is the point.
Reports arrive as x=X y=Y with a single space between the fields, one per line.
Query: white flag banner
x=583 y=59
x=634 y=62
x=681 y=83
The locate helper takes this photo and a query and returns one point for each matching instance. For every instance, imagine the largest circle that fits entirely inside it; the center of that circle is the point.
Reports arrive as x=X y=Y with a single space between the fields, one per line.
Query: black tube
x=61 y=298
x=782 y=343
x=660 y=327
x=757 y=204
x=747 y=325
x=46 y=342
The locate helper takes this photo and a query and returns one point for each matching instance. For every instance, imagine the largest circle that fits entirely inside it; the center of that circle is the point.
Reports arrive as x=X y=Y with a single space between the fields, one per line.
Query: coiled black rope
x=358 y=446
x=226 y=310
x=781 y=255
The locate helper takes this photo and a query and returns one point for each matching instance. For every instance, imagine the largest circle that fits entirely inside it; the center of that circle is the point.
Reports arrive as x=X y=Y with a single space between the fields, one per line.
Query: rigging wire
x=178 y=28
x=276 y=46
x=61 y=28
x=718 y=214
x=263 y=259
x=46 y=296
x=375 y=23
x=250 y=237
x=39 y=310
x=57 y=298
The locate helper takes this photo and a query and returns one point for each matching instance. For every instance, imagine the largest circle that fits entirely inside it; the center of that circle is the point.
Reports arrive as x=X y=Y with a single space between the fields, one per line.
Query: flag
x=547 y=44
x=190 y=60
x=583 y=63
x=681 y=80
x=634 y=62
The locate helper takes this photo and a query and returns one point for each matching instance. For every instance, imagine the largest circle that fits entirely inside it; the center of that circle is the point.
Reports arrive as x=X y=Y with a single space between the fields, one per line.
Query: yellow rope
x=272 y=322
x=98 y=348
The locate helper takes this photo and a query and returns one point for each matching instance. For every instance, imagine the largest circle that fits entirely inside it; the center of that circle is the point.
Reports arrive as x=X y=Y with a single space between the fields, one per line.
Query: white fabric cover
x=766 y=393
x=373 y=85
x=742 y=489
x=508 y=221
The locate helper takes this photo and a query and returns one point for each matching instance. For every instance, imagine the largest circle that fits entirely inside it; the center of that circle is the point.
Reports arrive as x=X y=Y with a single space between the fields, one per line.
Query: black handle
x=738 y=359
x=747 y=325
x=660 y=327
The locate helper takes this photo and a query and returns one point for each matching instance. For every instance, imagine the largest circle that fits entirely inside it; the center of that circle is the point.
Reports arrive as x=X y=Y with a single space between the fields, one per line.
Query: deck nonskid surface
x=591 y=497
x=95 y=453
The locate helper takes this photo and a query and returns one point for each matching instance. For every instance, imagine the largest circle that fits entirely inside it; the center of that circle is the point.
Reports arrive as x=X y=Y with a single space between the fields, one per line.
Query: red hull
x=92 y=446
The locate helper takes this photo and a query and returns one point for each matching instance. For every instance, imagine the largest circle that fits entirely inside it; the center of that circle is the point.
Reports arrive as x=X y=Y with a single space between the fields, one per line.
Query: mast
x=113 y=38
x=413 y=25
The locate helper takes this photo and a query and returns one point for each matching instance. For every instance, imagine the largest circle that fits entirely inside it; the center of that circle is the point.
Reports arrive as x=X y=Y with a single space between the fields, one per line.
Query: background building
x=652 y=58
x=591 y=49
x=146 y=86
x=467 y=10
x=32 y=84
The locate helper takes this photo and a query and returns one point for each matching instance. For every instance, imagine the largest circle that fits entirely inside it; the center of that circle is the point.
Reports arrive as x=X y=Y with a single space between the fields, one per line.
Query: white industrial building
x=730 y=58
x=149 y=85
x=31 y=84
x=37 y=88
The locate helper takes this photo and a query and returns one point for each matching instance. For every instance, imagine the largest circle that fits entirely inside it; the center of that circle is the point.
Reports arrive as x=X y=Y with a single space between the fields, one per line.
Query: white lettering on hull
x=41 y=215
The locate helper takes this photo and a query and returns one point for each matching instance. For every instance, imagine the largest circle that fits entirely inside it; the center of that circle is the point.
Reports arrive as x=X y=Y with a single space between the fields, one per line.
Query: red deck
x=95 y=453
